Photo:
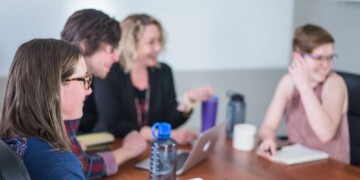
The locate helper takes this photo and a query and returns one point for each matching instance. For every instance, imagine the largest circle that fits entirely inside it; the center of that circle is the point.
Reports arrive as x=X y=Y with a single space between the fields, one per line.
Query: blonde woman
x=140 y=91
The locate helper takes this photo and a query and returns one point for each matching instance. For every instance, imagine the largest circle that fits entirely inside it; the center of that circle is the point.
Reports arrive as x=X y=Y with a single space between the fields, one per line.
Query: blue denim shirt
x=43 y=162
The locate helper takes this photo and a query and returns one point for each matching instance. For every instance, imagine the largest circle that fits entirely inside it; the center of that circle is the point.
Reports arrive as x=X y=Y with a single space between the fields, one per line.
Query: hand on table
x=183 y=136
x=134 y=143
x=267 y=148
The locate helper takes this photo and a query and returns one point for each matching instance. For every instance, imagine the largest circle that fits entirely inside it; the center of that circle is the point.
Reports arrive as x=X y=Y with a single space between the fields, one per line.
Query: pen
x=269 y=151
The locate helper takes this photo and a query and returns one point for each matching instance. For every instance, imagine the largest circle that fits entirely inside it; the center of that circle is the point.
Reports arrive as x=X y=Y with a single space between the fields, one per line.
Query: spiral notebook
x=296 y=154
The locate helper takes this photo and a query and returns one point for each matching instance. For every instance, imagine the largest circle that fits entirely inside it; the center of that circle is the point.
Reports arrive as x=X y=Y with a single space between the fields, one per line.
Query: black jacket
x=114 y=98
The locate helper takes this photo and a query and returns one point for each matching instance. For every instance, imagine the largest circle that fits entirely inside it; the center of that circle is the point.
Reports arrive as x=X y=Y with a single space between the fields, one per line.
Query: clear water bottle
x=162 y=153
x=235 y=112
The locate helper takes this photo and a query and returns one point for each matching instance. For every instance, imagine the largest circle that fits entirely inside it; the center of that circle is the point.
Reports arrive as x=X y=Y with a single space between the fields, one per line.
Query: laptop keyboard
x=180 y=159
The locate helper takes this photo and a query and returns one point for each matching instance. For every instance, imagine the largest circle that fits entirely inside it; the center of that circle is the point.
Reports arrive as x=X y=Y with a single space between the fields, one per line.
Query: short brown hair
x=132 y=29
x=94 y=27
x=309 y=36
x=31 y=106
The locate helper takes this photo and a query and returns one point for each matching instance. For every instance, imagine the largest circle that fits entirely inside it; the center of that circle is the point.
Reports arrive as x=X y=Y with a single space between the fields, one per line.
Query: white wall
x=342 y=20
x=246 y=36
x=202 y=34
x=22 y=20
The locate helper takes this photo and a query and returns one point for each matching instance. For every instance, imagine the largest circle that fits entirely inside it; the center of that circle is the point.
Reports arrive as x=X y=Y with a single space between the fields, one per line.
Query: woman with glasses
x=97 y=36
x=44 y=89
x=140 y=91
x=313 y=98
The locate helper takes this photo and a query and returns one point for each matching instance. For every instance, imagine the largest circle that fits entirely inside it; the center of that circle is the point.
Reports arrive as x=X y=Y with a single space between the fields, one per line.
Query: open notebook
x=296 y=154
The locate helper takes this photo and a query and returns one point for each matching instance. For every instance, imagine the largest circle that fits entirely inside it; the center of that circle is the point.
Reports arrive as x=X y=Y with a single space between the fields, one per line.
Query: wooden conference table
x=226 y=163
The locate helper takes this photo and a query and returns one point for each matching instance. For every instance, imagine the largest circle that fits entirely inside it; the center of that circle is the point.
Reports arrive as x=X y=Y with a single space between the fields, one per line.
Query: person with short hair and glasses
x=313 y=97
x=97 y=36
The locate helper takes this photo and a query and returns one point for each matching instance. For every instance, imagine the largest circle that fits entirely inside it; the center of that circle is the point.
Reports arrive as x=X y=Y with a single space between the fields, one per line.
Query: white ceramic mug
x=244 y=137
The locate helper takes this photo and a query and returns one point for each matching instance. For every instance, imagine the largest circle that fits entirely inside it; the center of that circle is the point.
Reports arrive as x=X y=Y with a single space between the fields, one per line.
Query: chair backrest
x=11 y=165
x=353 y=85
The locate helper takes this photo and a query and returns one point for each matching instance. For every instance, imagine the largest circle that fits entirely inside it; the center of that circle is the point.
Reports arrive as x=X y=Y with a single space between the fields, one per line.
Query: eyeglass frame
x=87 y=79
x=332 y=57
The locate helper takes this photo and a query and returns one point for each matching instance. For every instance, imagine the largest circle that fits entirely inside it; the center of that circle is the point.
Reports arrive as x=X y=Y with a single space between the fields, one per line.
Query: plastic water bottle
x=235 y=112
x=162 y=153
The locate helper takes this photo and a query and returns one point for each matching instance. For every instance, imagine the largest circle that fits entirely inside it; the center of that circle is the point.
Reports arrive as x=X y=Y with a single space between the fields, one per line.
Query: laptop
x=203 y=146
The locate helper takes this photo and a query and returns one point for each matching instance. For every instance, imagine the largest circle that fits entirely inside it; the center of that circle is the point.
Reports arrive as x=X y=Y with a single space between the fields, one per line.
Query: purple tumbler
x=209 y=109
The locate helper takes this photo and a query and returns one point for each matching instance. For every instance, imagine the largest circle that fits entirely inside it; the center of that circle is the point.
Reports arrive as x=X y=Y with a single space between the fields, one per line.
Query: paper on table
x=96 y=138
x=297 y=153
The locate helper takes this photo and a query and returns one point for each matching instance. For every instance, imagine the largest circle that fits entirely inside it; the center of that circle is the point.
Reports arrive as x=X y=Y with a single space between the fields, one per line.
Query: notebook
x=201 y=149
x=96 y=138
x=296 y=154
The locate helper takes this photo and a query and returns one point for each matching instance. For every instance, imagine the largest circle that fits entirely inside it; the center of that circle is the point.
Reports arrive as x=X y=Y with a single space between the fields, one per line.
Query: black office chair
x=11 y=165
x=353 y=85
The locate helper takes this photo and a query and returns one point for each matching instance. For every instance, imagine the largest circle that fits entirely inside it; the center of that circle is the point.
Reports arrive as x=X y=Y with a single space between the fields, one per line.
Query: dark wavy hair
x=32 y=106
x=309 y=36
x=94 y=27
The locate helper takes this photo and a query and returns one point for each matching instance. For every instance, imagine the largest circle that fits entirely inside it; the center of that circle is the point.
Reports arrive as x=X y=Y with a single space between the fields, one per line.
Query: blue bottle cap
x=164 y=130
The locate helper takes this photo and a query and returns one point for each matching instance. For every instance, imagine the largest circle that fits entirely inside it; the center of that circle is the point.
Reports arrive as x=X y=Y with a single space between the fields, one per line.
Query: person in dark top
x=140 y=91
x=44 y=76
x=97 y=35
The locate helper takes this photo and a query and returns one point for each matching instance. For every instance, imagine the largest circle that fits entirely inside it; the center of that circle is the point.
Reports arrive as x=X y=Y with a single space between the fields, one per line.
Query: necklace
x=142 y=108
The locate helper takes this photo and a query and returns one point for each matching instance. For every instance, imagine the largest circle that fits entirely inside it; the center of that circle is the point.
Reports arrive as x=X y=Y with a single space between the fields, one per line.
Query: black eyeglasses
x=87 y=79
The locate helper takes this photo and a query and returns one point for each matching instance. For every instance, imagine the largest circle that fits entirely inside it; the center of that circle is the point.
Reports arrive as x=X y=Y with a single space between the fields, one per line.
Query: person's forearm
x=122 y=155
x=266 y=133
x=319 y=120
x=110 y=166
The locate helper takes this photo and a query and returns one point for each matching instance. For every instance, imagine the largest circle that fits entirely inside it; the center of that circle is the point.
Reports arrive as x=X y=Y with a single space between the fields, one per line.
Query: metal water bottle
x=235 y=112
x=162 y=153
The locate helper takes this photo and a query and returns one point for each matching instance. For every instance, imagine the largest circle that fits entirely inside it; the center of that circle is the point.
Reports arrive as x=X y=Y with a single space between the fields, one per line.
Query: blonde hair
x=132 y=29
